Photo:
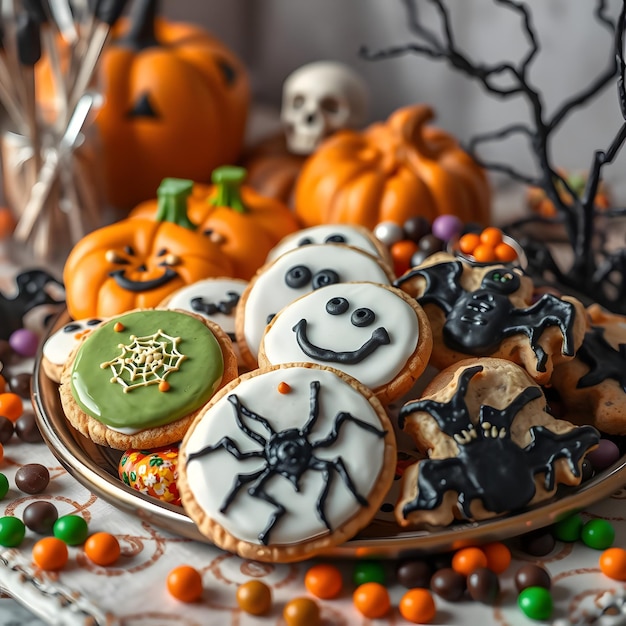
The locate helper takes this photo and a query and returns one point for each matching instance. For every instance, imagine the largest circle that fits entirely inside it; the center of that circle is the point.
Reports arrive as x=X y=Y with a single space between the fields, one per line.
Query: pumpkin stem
x=409 y=123
x=172 y=197
x=141 y=33
x=228 y=180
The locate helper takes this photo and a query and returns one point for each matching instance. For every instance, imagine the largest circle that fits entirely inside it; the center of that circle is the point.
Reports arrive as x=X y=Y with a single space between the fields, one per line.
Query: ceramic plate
x=96 y=468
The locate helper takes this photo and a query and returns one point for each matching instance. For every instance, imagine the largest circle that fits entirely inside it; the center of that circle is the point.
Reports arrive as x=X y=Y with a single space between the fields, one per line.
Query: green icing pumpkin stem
x=172 y=197
x=228 y=180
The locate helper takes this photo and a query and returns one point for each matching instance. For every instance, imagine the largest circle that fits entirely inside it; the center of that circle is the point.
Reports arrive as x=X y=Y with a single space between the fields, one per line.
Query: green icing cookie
x=116 y=378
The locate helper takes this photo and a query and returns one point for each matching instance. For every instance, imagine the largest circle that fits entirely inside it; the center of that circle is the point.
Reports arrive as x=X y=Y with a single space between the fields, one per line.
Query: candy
x=72 y=529
x=102 y=548
x=448 y=584
x=254 y=597
x=402 y=252
x=416 y=227
x=498 y=556
x=12 y=531
x=40 y=517
x=24 y=342
x=7 y=429
x=447 y=227
x=11 y=406
x=4 y=486
x=371 y=600
x=388 y=233
x=598 y=534
x=323 y=581
x=532 y=575
x=568 y=529
x=415 y=573
x=32 y=478
x=26 y=428
x=604 y=455
x=466 y=560
x=417 y=606
x=185 y=583
x=491 y=236
x=368 y=572
x=483 y=585
x=536 y=603
x=50 y=554
x=613 y=563
x=20 y=384
x=538 y=542
x=302 y=612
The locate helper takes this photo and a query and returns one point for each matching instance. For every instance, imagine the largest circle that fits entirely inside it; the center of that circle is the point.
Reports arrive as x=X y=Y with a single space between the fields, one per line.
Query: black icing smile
x=119 y=276
x=380 y=337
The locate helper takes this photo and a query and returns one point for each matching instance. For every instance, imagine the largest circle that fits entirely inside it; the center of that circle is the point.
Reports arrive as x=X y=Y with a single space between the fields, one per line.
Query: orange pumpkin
x=138 y=262
x=176 y=105
x=391 y=171
x=244 y=224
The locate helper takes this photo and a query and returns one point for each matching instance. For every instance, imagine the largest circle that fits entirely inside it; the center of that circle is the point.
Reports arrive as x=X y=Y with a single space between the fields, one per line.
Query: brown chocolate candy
x=411 y=574
x=40 y=517
x=20 y=384
x=532 y=575
x=448 y=584
x=26 y=428
x=32 y=478
x=483 y=585
x=6 y=429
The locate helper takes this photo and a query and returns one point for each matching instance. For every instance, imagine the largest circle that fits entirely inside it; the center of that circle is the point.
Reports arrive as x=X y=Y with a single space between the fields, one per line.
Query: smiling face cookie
x=295 y=274
x=373 y=332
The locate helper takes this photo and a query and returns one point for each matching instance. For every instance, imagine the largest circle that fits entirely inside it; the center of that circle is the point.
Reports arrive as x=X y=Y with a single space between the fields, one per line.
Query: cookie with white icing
x=292 y=275
x=286 y=462
x=215 y=299
x=353 y=235
x=373 y=332
x=138 y=379
x=59 y=345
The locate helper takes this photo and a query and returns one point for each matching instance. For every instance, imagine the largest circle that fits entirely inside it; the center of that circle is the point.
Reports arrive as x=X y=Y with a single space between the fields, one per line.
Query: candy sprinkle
x=118 y=327
x=164 y=386
x=284 y=387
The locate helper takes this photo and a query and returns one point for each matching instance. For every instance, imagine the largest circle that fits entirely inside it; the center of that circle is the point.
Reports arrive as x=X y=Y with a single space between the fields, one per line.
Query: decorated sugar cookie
x=59 y=345
x=350 y=234
x=292 y=275
x=373 y=332
x=492 y=446
x=287 y=461
x=138 y=379
x=215 y=299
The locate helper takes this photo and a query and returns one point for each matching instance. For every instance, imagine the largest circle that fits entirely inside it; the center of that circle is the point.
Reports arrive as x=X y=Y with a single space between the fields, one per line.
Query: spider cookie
x=292 y=275
x=592 y=386
x=353 y=235
x=373 y=332
x=287 y=461
x=59 y=345
x=488 y=310
x=138 y=379
x=492 y=446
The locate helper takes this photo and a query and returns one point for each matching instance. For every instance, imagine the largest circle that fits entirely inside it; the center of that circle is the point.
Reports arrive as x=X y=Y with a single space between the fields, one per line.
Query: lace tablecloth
x=133 y=590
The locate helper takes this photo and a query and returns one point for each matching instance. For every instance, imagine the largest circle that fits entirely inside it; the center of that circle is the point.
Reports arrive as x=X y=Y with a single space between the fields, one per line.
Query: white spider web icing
x=145 y=361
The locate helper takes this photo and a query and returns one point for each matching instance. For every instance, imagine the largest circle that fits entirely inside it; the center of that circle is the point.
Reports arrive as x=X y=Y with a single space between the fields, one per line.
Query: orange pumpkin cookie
x=138 y=380
x=488 y=310
x=492 y=446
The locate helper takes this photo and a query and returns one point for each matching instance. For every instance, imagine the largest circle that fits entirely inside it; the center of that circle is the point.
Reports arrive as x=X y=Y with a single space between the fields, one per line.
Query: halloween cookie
x=592 y=386
x=488 y=310
x=287 y=461
x=292 y=275
x=138 y=380
x=492 y=446
x=373 y=332
x=59 y=345
x=214 y=298
x=350 y=234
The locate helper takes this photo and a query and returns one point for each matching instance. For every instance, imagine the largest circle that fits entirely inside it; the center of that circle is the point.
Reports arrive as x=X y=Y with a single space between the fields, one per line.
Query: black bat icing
x=226 y=307
x=603 y=360
x=477 y=321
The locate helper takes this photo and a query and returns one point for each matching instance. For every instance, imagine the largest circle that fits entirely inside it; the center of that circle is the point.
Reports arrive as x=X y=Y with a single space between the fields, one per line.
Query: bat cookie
x=287 y=461
x=488 y=310
x=373 y=332
x=138 y=379
x=492 y=446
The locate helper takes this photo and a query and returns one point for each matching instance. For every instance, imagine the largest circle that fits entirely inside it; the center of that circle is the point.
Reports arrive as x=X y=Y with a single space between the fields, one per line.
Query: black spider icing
x=287 y=453
x=490 y=466
x=603 y=360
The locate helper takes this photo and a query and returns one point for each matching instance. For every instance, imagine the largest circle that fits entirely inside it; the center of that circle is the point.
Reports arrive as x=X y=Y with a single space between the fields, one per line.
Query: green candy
x=568 y=529
x=72 y=529
x=535 y=603
x=12 y=531
x=369 y=572
x=4 y=486
x=598 y=534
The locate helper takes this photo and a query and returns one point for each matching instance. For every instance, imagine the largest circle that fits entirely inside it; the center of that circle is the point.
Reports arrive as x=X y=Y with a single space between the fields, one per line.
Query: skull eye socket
x=362 y=317
x=298 y=102
x=298 y=276
x=324 y=278
x=330 y=105
x=337 y=306
x=305 y=241
x=335 y=239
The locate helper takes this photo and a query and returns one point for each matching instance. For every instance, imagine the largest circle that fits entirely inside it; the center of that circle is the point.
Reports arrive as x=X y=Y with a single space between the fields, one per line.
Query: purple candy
x=604 y=455
x=24 y=342
x=447 y=227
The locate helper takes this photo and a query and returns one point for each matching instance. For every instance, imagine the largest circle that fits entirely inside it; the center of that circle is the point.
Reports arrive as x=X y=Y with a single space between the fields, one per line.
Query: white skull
x=319 y=99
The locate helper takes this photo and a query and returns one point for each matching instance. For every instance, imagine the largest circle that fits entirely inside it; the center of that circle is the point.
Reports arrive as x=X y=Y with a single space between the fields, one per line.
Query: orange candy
x=102 y=548
x=467 y=560
x=185 y=583
x=484 y=253
x=401 y=253
x=498 y=556
x=302 y=612
x=372 y=600
x=3 y=384
x=505 y=253
x=7 y=222
x=417 y=606
x=323 y=581
x=613 y=563
x=468 y=243
x=11 y=406
x=254 y=597
x=50 y=554
x=491 y=236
